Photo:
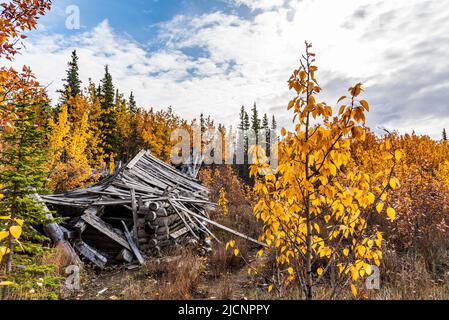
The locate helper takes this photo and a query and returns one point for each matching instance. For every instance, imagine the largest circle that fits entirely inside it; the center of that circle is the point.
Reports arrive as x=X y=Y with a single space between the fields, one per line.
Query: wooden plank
x=183 y=219
x=135 y=218
x=133 y=245
x=105 y=229
x=91 y=254
x=136 y=159
x=241 y=235
x=56 y=232
x=179 y=233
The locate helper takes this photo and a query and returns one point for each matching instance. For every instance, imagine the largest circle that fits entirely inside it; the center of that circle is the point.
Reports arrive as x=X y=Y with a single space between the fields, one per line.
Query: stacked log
x=161 y=227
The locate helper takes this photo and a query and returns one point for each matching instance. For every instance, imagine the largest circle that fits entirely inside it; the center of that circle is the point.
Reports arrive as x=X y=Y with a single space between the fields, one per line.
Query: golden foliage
x=316 y=205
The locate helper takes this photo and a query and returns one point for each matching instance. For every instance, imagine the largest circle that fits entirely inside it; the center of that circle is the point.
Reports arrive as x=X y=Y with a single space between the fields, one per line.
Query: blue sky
x=138 y=18
x=214 y=56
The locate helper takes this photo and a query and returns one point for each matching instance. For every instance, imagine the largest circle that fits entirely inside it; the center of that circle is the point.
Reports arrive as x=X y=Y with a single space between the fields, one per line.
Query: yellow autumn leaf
x=354 y=290
x=368 y=269
x=3 y=235
x=371 y=198
x=283 y=132
x=270 y=288
x=231 y=244
x=398 y=155
x=4 y=250
x=16 y=231
x=364 y=104
x=391 y=213
x=393 y=184
x=379 y=207
x=346 y=252
x=236 y=252
x=320 y=271
x=290 y=270
x=341 y=99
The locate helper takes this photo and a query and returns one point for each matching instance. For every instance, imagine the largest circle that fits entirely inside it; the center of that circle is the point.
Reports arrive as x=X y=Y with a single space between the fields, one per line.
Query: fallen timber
x=143 y=208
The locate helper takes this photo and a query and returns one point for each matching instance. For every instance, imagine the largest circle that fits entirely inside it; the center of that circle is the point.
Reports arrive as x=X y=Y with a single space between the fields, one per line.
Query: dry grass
x=167 y=279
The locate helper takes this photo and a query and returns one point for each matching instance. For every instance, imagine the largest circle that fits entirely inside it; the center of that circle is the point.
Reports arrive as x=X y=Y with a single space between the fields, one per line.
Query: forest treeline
x=91 y=128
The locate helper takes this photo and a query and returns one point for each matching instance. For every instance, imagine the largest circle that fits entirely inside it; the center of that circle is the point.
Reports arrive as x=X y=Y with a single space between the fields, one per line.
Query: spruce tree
x=72 y=82
x=246 y=126
x=255 y=122
x=134 y=114
x=23 y=173
x=274 y=124
x=266 y=129
x=108 y=115
x=444 y=135
x=241 y=125
x=241 y=134
x=132 y=105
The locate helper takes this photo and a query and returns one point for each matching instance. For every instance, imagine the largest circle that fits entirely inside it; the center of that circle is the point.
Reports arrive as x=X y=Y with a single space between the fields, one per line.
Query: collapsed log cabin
x=144 y=207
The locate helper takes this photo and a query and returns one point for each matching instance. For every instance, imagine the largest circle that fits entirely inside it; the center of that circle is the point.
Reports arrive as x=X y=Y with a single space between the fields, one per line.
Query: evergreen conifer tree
x=72 y=82
x=132 y=103
x=108 y=115
x=255 y=123
x=23 y=174
x=266 y=129
x=274 y=125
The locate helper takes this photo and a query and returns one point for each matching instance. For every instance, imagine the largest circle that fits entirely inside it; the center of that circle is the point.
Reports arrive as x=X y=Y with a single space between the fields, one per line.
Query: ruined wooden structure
x=142 y=208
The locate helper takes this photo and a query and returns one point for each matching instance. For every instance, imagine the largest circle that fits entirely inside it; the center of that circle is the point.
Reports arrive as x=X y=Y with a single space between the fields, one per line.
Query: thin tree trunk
x=309 y=280
x=5 y=293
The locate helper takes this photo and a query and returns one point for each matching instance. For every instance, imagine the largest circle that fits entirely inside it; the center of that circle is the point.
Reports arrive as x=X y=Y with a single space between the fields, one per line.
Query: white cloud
x=397 y=48
x=260 y=4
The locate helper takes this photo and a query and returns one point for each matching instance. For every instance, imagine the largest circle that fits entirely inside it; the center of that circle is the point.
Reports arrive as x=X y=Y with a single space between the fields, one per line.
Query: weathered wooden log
x=56 y=234
x=163 y=230
x=163 y=237
x=166 y=221
x=162 y=212
x=153 y=206
x=181 y=216
x=134 y=207
x=91 y=254
x=150 y=216
x=133 y=246
x=105 y=229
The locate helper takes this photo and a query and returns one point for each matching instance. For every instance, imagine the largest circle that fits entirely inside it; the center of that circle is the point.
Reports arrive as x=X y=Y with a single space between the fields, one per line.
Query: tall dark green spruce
x=243 y=128
x=266 y=130
x=444 y=135
x=108 y=115
x=135 y=140
x=72 y=82
x=274 y=124
x=23 y=173
x=132 y=103
x=255 y=123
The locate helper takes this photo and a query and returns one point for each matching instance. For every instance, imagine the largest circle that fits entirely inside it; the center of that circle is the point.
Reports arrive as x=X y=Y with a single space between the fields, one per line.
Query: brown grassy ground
x=186 y=275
